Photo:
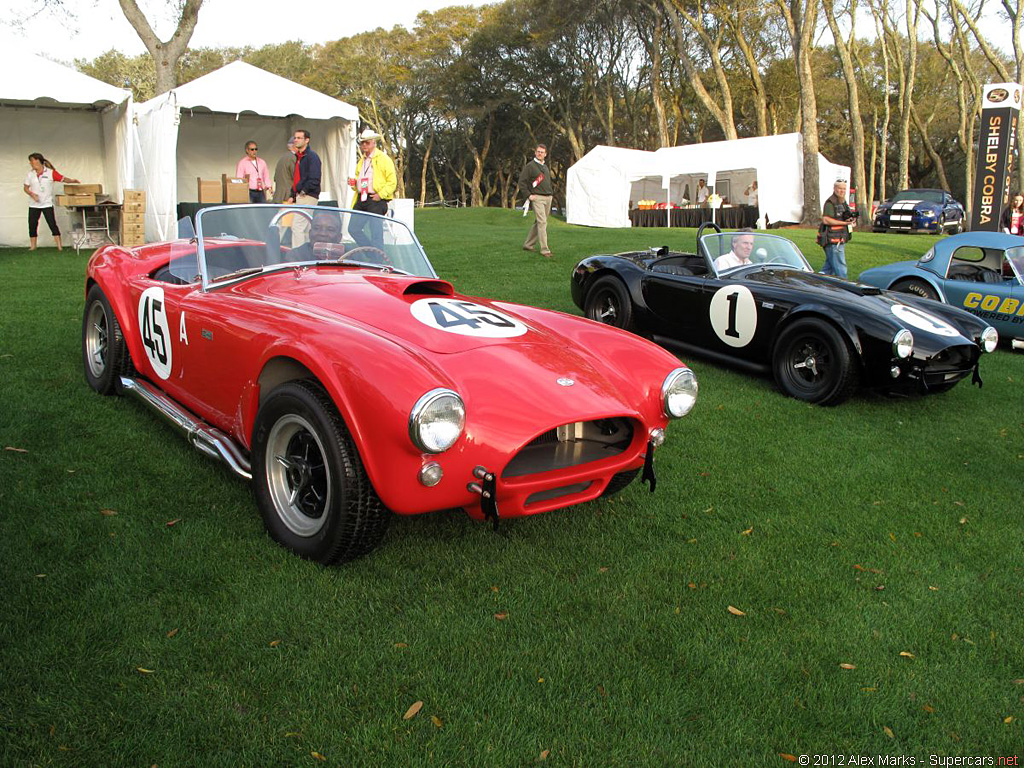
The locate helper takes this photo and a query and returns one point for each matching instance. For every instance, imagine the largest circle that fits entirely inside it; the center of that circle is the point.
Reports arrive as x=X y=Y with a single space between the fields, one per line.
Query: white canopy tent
x=79 y=123
x=598 y=194
x=199 y=130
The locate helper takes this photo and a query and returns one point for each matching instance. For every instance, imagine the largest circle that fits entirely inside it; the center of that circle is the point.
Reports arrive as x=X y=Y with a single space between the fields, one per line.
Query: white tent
x=199 y=130
x=79 y=123
x=601 y=184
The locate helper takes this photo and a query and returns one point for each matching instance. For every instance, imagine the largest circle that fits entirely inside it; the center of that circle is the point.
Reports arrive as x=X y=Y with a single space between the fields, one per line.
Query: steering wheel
x=384 y=258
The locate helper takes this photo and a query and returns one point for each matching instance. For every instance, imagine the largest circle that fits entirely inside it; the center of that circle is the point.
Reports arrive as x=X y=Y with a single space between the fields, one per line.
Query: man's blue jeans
x=835 y=260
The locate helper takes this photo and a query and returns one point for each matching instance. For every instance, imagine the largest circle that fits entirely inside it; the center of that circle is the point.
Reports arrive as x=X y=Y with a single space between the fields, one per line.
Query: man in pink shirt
x=256 y=169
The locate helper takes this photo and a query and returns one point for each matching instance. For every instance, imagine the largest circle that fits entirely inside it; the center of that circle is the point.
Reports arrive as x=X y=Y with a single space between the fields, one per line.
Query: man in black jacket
x=535 y=185
x=305 y=183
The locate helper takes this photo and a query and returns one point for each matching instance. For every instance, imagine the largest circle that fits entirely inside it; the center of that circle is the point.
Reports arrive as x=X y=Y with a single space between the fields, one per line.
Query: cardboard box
x=134 y=208
x=135 y=196
x=83 y=189
x=133 y=218
x=210 y=191
x=235 y=190
x=132 y=241
x=71 y=201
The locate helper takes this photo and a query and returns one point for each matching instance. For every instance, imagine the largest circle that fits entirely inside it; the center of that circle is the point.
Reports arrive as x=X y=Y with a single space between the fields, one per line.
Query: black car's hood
x=832 y=288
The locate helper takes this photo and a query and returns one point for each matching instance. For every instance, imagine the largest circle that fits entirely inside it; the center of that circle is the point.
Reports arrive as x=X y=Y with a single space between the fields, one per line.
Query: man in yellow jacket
x=373 y=188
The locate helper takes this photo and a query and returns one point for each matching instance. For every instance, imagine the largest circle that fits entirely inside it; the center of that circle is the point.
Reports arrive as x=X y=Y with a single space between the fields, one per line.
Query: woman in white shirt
x=39 y=187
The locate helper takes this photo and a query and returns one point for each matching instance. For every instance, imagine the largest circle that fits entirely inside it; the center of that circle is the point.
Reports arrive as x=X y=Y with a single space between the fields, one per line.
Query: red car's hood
x=392 y=305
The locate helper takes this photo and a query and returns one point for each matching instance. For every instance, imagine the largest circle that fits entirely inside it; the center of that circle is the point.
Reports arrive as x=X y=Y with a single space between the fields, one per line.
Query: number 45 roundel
x=734 y=315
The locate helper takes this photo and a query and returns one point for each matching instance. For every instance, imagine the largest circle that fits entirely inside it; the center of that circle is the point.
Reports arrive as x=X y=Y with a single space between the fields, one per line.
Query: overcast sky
x=77 y=29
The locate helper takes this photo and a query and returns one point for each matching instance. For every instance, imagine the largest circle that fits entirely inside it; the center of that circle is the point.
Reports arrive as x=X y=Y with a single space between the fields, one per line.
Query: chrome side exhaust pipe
x=207 y=439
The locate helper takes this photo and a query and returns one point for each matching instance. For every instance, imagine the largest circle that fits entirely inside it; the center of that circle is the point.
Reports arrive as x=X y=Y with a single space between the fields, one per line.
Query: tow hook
x=488 y=490
x=648 y=475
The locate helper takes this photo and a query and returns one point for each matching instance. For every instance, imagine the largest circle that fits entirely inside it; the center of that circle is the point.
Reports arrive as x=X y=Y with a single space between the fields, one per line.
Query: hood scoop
x=429 y=288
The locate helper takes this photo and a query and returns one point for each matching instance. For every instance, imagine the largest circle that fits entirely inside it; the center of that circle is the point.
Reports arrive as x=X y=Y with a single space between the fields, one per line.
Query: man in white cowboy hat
x=373 y=187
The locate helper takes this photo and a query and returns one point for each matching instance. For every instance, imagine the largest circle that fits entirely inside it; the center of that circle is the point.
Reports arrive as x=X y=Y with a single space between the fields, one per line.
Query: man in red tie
x=535 y=185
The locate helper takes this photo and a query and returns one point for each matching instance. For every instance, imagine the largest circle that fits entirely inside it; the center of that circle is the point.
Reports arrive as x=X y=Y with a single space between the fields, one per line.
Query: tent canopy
x=599 y=193
x=79 y=123
x=198 y=130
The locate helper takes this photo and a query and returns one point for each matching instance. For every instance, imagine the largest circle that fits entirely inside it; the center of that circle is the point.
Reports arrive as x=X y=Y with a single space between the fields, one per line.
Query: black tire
x=309 y=482
x=814 y=362
x=104 y=354
x=916 y=288
x=608 y=302
x=620 y=481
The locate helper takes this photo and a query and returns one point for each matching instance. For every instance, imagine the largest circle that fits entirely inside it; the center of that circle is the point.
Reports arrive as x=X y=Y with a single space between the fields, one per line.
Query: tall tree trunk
x=166 y=53
x=880 y=15
x=423 y=170
x=723 y=113
x=922 y=128
x=849 y=74
x=801 y=20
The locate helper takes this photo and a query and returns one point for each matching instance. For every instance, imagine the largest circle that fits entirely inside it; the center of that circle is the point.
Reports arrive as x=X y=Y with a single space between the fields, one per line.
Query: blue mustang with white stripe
x=932 y=211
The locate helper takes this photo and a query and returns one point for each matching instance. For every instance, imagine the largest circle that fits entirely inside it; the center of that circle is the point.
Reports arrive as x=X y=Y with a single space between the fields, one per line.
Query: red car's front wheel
x=309 y=482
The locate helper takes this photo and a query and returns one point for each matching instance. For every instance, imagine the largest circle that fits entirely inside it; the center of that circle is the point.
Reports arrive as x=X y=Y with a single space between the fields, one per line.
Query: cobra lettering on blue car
x=993 y=307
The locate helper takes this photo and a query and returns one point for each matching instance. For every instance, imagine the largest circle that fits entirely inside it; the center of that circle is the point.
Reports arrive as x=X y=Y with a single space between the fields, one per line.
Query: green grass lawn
x=146 y=619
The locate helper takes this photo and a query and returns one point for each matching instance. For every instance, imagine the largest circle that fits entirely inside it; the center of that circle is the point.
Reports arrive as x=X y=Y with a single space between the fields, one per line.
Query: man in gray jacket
x=535 y=184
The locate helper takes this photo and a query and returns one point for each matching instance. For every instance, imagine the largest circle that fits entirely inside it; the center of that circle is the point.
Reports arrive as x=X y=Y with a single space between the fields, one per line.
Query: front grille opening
x=570 y=445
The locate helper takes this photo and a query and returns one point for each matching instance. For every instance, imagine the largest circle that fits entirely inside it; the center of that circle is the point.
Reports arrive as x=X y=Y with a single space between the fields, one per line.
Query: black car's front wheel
x=309 y=482
x=608 y=302
x=814 y=363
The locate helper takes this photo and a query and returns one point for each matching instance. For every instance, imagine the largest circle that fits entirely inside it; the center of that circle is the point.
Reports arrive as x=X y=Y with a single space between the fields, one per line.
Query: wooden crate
x=83 y=189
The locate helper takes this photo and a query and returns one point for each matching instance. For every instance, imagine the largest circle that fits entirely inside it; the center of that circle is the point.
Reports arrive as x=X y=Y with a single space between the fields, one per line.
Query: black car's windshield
x=732 y=251
x=241 y=240
x=923 y=195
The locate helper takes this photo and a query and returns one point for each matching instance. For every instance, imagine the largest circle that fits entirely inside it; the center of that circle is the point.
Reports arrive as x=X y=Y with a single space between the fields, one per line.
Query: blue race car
x=932 y=211
x=982 y=272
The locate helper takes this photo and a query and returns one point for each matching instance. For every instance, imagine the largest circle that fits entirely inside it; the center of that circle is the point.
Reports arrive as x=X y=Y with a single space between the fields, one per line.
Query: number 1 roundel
x=466 y=318
x=734 y=315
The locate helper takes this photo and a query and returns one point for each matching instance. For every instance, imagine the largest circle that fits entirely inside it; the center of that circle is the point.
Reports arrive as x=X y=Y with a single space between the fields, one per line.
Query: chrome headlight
x=679 y=393
x=903 y=344
x=437 y=421
x=989 y=339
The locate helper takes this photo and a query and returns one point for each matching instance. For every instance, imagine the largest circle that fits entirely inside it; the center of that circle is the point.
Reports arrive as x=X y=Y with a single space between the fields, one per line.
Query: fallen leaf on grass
x=691 y=585
x=869 y=690
x=888 y=732
x=494 y=589
x=436 y=721
x=40 y=575
x=108 y=512
x=1008 y=720
x=845 y=665
x=963 y=521
x=858 y=567
x=880 y=587
x=892 y=535
x=274 y=643
x=412 y=711
x=401 y=645
x=544 y=754
x=779 y=611
x=928 y=708
x=1019 y=681
x=292 y=735
x=173 y=632
x=958 y=503
x=501 y=616
x=788 y=757
x=317 y=756
x=735 y=611
x=145 y=671
x=933 y=589
x=747 y=532
x=12 y=449
x=175 y=521
x=603 y=569
x=907 y=654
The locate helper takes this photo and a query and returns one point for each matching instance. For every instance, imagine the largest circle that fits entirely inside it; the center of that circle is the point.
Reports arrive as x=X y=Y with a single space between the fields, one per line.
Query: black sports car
x=932 y=211
x=751 y=299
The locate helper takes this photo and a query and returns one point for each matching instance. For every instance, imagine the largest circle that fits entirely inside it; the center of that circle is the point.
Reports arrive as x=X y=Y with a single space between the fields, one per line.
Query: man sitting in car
x=739 y=256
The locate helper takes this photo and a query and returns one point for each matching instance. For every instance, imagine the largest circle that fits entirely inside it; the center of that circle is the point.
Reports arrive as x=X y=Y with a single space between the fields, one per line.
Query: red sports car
x=316 y=352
